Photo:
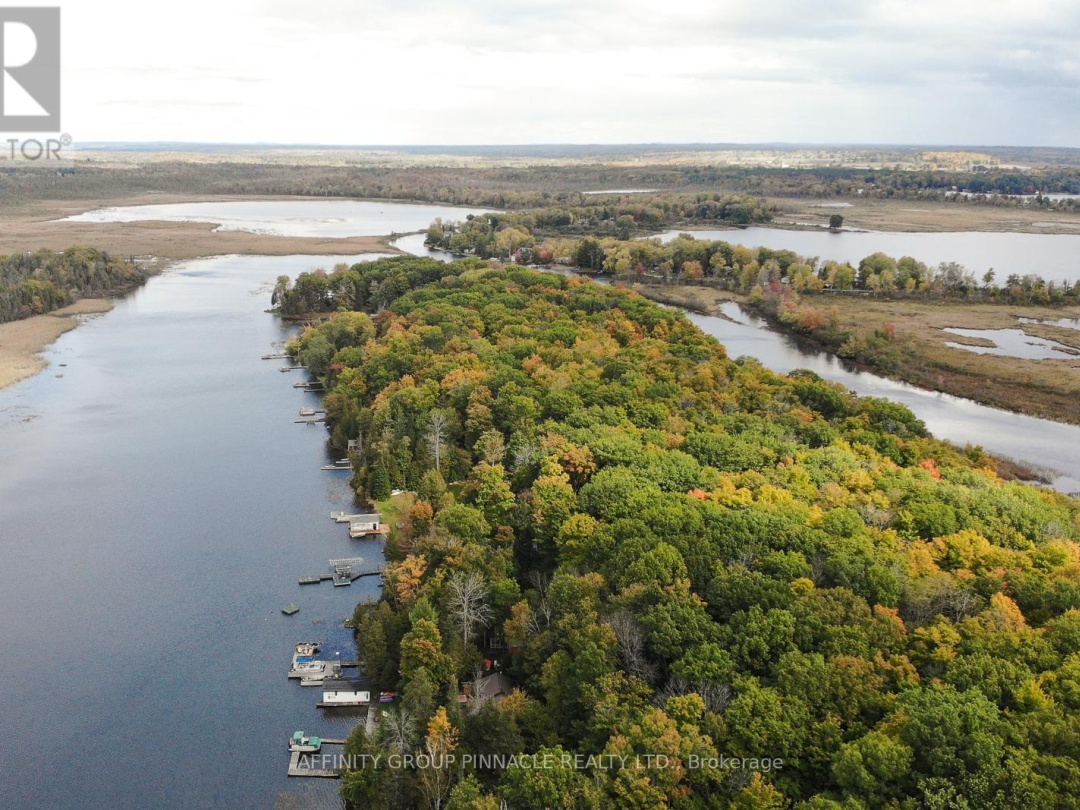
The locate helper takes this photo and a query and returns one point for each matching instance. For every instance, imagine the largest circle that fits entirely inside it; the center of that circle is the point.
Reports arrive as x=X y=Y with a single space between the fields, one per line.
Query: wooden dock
x=322 y=773
x=310 y=421
x=340 y=578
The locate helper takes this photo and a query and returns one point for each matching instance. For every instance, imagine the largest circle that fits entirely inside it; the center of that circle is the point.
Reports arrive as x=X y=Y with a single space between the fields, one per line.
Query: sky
x=964 y=72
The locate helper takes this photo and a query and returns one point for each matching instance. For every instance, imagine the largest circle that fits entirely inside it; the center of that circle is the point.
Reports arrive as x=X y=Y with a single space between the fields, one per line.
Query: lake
x=331 y=218
x=157 y=505
x=1054 y=256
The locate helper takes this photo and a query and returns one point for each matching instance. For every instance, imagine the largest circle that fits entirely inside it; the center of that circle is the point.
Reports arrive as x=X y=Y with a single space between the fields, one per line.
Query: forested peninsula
x=795 y=597
x=38 y=283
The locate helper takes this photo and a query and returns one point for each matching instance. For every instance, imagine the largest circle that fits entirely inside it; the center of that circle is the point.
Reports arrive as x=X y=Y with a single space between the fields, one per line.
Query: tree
x=836 y=222
x=437 y=774
x=438 y=430
x=554 y=782
x=468 y=794
x=281 y=288
x=468 y=602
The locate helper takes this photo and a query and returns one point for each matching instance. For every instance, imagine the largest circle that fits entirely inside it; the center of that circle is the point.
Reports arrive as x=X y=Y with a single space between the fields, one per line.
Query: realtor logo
x=30 y=59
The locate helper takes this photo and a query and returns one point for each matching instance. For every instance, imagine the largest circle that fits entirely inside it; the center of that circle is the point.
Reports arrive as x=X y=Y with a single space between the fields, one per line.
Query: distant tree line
x=741 y=269
x=520 y=187
x=36 y=283
x=503 y=235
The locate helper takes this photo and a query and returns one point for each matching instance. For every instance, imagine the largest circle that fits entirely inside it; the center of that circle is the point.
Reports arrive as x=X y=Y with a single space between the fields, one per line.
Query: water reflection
x=1012 y=343
x=1051 y=255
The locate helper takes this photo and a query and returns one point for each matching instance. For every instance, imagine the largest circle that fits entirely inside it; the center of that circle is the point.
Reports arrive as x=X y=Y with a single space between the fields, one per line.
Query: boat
x=290 y=609
x=307 y=411
x=307 y=648
x=302 y=743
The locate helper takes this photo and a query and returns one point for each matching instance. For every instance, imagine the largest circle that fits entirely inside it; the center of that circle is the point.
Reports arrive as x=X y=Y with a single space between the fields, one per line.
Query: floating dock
x=344 y=517
x=355 y=575
x=298 y=759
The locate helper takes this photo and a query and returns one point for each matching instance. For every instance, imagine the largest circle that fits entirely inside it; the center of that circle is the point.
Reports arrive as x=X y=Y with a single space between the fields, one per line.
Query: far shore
x=34 y=226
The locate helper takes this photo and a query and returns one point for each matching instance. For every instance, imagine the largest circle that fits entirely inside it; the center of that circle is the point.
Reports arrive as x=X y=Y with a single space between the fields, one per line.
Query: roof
x=496 y=685
x=375 y=517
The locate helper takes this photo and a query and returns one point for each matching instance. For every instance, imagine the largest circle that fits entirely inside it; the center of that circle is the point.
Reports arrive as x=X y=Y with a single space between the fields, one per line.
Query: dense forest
x=727 y=587
x=525 y=186
x=503 y=235
x=36 y=283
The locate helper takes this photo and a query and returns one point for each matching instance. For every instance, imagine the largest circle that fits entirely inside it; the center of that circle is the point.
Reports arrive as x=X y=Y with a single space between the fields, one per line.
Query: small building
x=496 y=686
x=343 y=697
x=363 y=525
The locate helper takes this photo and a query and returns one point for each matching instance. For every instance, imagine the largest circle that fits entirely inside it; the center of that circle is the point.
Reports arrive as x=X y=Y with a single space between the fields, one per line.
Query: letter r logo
x=30 y=63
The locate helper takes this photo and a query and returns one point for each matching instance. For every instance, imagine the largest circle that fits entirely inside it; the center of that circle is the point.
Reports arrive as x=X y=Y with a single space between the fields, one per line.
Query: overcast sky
x=573 y=71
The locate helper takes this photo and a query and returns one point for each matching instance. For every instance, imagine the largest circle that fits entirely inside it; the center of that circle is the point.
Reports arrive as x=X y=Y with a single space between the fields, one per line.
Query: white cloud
x=379 y=71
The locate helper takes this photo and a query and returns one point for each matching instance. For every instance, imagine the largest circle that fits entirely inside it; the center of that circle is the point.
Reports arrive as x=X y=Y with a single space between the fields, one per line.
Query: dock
x=372 y=718
x=315 y=579
x=297 y=761
x=310 y=421
x=276 y=357
x=344 y=517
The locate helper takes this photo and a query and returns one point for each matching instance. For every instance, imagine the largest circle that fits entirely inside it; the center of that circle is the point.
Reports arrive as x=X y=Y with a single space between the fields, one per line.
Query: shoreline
x=35 y=227
x=965 y=377
x=22 y=343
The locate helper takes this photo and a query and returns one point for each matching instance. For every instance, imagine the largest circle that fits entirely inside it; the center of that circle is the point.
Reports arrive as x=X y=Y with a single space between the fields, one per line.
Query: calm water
x=157 y=505
x=1013 y=343
x=333 y=218
x=1055 y=257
